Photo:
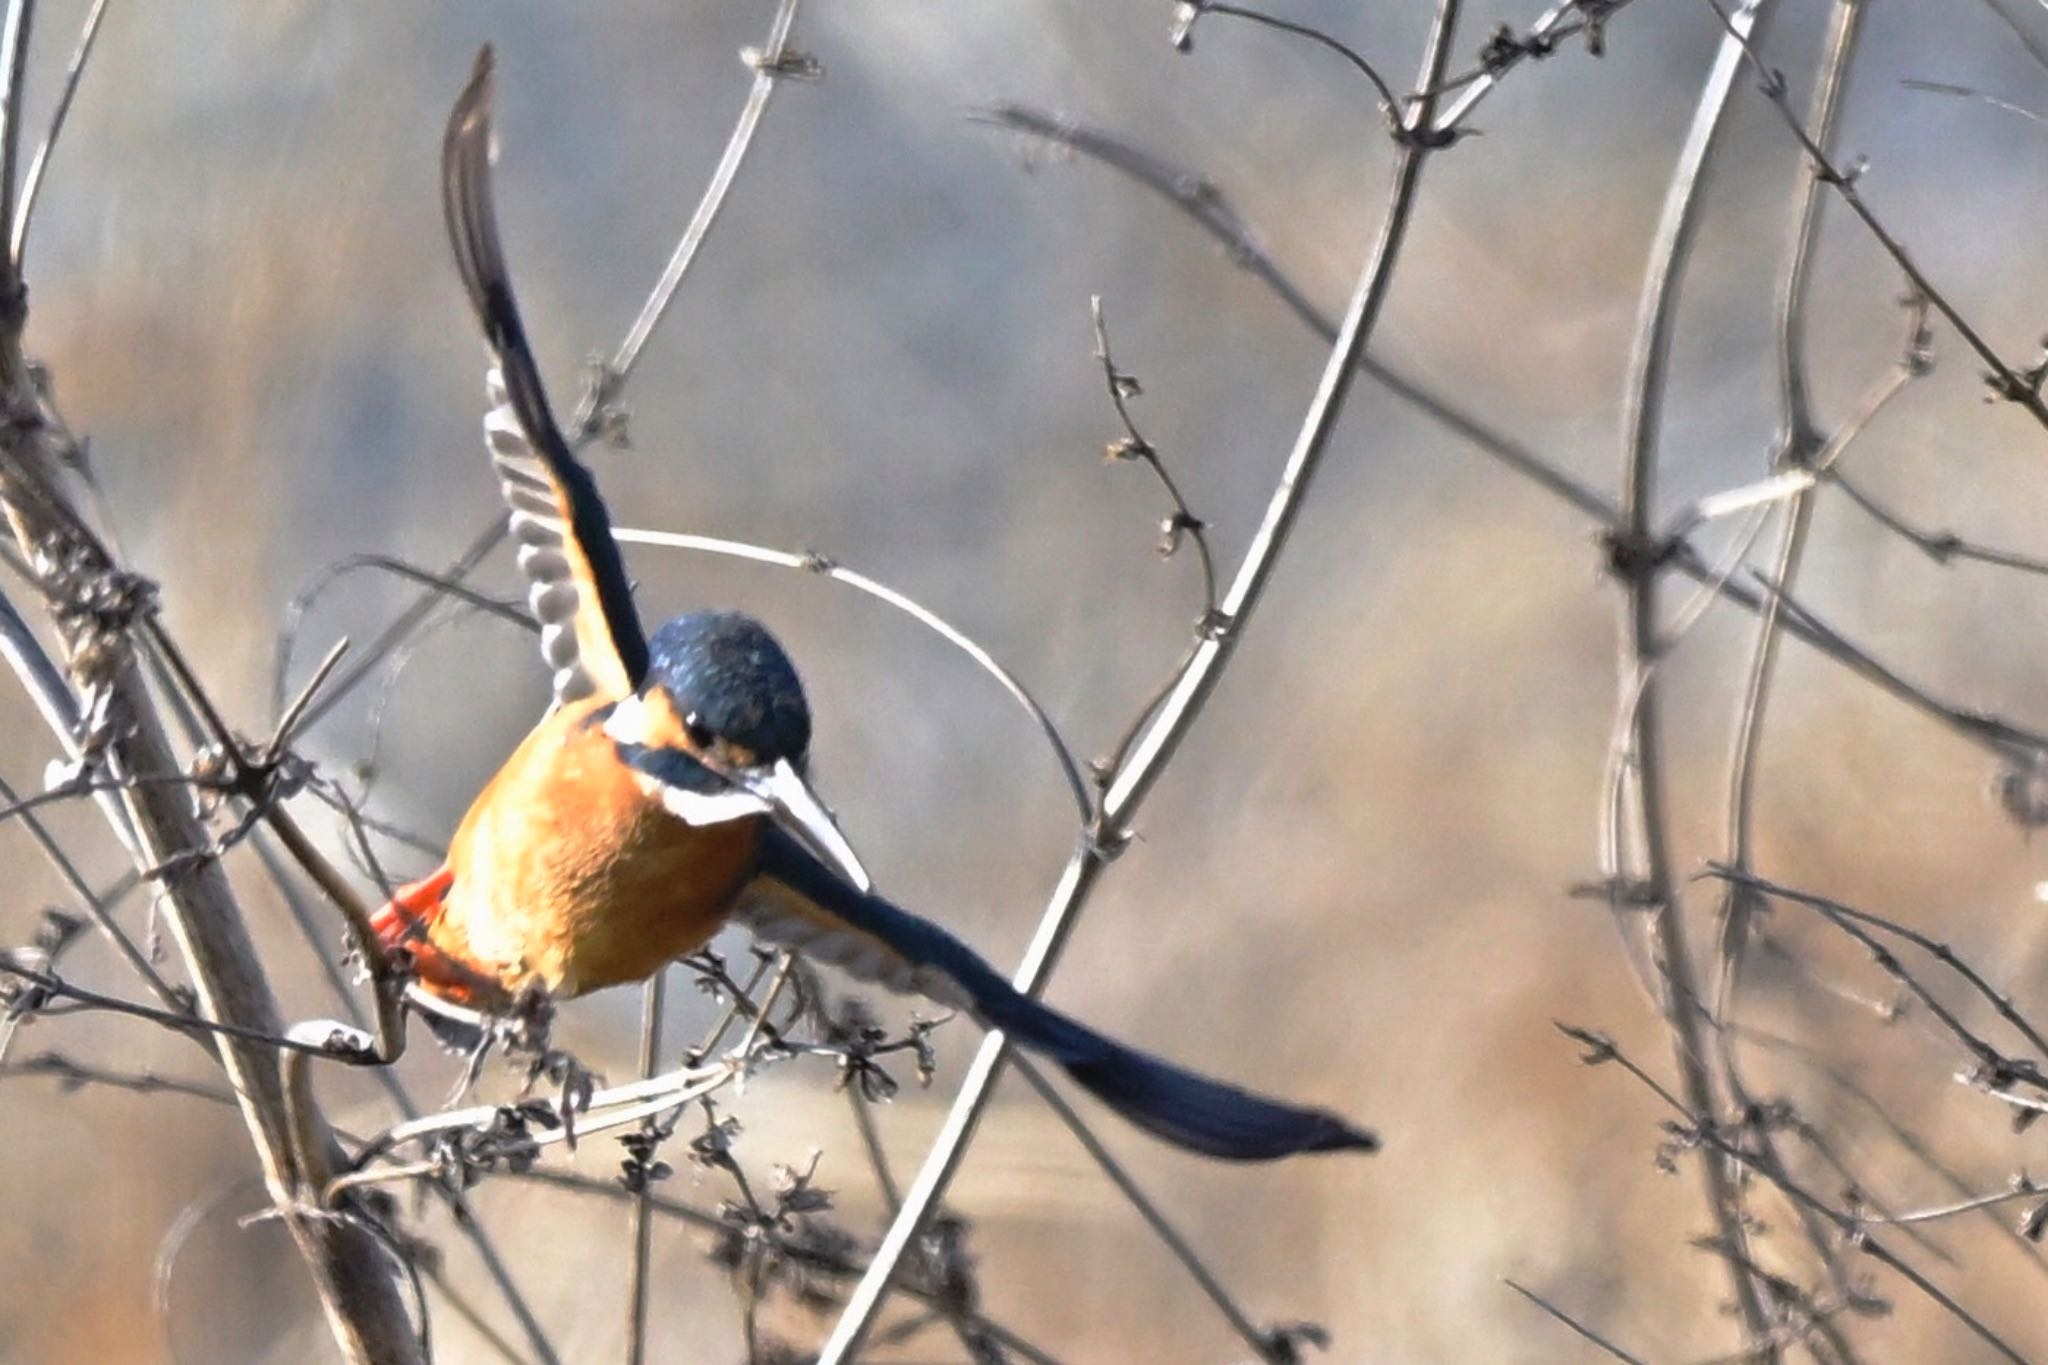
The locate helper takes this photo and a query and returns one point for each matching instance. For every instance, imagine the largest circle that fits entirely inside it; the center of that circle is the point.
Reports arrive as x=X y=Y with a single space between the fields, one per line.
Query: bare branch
x=774 y=60
x=1147 y=758
x=1943 y=547
x=1190 y=11
x=1276 y=1345
x=640 y=1224
x=1635 y=763
x=1183 y=523
x=827 y=567
x=1202 y=202
x=1505 y=50
x=13 y=83
x=1601 y=1049
x=2021 y=387
x=1966 y=92
x=1568 y=1320
x=18 y=238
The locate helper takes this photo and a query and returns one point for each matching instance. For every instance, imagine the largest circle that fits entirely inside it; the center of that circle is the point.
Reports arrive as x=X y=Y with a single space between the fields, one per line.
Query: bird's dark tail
x=809 y=906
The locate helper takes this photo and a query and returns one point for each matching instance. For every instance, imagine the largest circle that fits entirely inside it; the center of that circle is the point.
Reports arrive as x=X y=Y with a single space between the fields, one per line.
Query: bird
x=666 y=792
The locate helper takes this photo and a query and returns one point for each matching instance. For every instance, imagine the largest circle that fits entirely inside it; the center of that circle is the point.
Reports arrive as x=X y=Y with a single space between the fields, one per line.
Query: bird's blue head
x=720 y=729
x=733 y=689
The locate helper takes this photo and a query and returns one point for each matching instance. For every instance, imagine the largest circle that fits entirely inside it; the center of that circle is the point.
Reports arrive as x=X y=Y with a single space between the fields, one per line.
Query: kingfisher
x=665 y=793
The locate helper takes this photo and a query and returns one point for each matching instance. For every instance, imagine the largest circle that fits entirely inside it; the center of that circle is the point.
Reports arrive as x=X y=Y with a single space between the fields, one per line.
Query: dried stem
x=2023 y=388
x=1601 y=1049
x=640 y=1225
x=1273 y=1346
x=39 y=166
x=826 y=567
x=1202 y=202
x=1799 y=448
x=1505 y=51
x=813 y=1258
x=1148 y=757
x=13 y=84
x=365 y=1309
x=1943 y=547
x=1133 y=446
x=95 y=906
x=774 y=60
x=1858 y=924
x=1637 y=763
x=1585 y=1332
x=1194 y=9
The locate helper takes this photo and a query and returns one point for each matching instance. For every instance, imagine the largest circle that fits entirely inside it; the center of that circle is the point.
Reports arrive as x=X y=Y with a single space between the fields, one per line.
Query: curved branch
x=1646 y=881
x=1147 y=758
x=917 y=611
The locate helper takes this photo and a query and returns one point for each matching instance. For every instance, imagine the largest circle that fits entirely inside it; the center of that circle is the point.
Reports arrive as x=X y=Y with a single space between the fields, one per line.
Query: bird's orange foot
x=403 y=927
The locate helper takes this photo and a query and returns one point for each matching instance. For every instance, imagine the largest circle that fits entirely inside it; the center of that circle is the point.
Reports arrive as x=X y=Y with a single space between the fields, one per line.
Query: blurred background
x=1352 y=885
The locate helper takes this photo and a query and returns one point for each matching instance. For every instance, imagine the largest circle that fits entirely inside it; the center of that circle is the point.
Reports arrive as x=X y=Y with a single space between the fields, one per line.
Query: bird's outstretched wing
x=578 y=590
x=797 y=901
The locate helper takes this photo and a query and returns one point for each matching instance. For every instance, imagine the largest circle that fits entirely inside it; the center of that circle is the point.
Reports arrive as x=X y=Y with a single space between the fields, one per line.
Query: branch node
x=1635 y=557
x=608 y=419
x=784 y=61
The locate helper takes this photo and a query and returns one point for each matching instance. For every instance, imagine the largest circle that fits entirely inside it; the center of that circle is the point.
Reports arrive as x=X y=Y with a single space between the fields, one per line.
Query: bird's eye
x=697 y=732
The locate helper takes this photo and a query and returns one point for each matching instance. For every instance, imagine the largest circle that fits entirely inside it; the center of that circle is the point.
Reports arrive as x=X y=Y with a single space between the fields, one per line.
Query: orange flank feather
x=567 y=875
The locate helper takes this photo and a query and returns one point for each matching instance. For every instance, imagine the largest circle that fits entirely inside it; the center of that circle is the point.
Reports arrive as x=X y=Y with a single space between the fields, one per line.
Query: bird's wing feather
x=796 y=900
x=578 y=590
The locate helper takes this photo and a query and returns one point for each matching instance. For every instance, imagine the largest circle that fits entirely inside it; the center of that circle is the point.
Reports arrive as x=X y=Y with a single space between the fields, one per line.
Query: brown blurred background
x=1351 y=885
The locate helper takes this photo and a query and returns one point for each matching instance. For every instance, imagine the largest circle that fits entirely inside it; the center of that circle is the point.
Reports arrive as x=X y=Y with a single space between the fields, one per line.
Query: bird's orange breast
x=567 y=874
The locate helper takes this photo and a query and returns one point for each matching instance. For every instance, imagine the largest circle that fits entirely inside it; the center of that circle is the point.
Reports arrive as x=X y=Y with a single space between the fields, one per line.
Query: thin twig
x=404 y=625
x=1943 y=547
x=1798 y=450
x=1277 y=1346
x=1205 y=205
x=1858 y=924
x=1505 y=51
x=1192 y=10
x=810 y=1256
x=175 y=1020
x=2023 y=388
x=826 y=567
x=2021 y=1190
x=33 y=182
x=95 y=906
x=1915 y=1146
x=1200 y=200
x=1601 y=1049
x=1967 y=92
x=640 y=1223
x=1183 y=522
x=13 y=85
x=1147 y=759
x=1569 y=1321
x=771 y=62
x=442 y=585
x=2015 y=744
x=1636 y=760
